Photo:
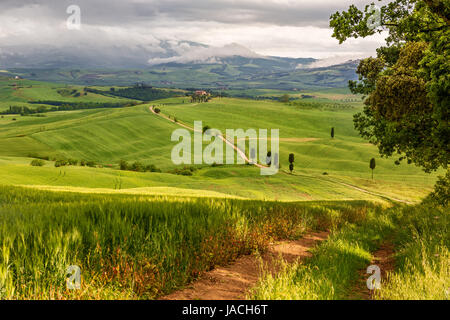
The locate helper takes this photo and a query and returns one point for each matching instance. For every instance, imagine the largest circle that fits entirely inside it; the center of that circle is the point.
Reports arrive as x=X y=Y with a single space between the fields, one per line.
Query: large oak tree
x=406 y=86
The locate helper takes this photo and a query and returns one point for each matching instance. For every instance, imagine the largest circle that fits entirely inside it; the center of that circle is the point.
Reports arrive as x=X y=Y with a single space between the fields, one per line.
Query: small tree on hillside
x=372 y=165
x=123 y=165
x=291 y=162
x=285 y=98
x=206 y=128
x=269 y=158
x=332 y=132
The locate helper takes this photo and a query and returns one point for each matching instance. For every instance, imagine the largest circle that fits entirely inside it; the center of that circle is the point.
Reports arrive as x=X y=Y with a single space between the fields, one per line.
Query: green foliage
x=407 y=84
x=185 y=171
x=206 y=128
x=37 y=163
x=138 y=92
x=291 y=167
x=138 y=167
x=63 y=106
x=291 y=158
x=441 y=193
x=284 y=98
x=123 y=165
x=372 y=165
x=60 y=163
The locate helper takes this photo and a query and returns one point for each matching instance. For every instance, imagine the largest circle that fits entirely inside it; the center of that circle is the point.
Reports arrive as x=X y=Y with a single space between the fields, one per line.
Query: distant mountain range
x=179 y=64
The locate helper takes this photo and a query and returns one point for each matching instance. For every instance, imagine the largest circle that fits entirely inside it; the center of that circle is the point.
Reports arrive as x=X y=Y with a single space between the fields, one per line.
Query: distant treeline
x=143 y=93
x=254 y=97
x=64 y=106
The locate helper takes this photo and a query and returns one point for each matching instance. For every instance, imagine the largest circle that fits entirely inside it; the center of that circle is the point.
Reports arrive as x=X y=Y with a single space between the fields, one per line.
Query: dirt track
x=233 y=282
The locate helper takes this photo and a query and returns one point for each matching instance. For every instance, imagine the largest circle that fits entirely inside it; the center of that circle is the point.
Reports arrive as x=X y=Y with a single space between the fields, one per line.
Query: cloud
x=188 y=53
x=330 y=61
x=269 y=27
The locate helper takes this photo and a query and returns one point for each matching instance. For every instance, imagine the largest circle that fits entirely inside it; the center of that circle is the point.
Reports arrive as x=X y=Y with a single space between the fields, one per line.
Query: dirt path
x=384 y=259
x=372 y=193
x=233 y=282
x=348 y=185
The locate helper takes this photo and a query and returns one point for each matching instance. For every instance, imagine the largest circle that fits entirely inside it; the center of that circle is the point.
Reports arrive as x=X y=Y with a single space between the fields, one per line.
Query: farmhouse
x=201 y=93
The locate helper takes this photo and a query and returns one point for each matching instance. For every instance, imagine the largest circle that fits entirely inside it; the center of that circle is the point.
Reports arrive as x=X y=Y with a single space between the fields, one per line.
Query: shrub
x=206 y=128
x=72 y=162
x=152 y=168
x=90 y=164
x=137 y=166
x=37 y=163
x=61 y=163
x=123 y=165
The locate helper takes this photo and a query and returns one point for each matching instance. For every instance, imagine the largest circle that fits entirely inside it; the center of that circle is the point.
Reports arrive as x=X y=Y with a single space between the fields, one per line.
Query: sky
x=287 y=28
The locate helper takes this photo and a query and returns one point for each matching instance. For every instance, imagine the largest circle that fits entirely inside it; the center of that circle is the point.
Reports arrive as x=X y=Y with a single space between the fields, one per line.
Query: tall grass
x=421 y=238
x=333 y=269
x=133 y=247
x=423 y=256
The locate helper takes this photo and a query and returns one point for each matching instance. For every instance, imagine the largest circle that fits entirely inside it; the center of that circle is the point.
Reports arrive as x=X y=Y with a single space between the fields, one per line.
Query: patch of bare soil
x=233 y=281
x=384 y=259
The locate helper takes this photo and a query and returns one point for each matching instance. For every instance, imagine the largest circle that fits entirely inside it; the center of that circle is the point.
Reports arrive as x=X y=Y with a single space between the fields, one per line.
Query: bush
x=152 y=168
x=137 y=166
x=61 y=163
x=90 y=164
x=72 y=162
x=440 y=194
x=185 y=171
x=37 y=163
x=123 y=165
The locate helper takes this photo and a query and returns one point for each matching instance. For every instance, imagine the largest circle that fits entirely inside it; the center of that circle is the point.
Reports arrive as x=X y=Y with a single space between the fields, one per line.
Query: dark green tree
x=285 y=98
x=406 y=86
x=291 y=162
x=332 y=132
x=372 y=165
x=269 y=158
x=123 y=165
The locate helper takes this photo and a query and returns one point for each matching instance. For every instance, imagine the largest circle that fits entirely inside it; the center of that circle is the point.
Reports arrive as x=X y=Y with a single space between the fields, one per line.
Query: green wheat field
x=64 y=199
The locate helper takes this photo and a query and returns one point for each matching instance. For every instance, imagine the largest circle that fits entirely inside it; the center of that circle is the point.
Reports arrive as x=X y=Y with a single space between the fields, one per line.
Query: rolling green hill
x=230 y=73
x=109 y=135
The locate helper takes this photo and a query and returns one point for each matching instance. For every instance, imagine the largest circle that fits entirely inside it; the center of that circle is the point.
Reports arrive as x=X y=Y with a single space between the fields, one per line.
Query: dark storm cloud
x=116 y=13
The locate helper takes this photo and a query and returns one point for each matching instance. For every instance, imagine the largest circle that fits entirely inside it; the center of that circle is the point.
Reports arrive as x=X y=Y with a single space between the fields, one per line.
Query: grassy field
x=322 y=164
x=21 y=92
x=140 y=235
x=137 y=246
